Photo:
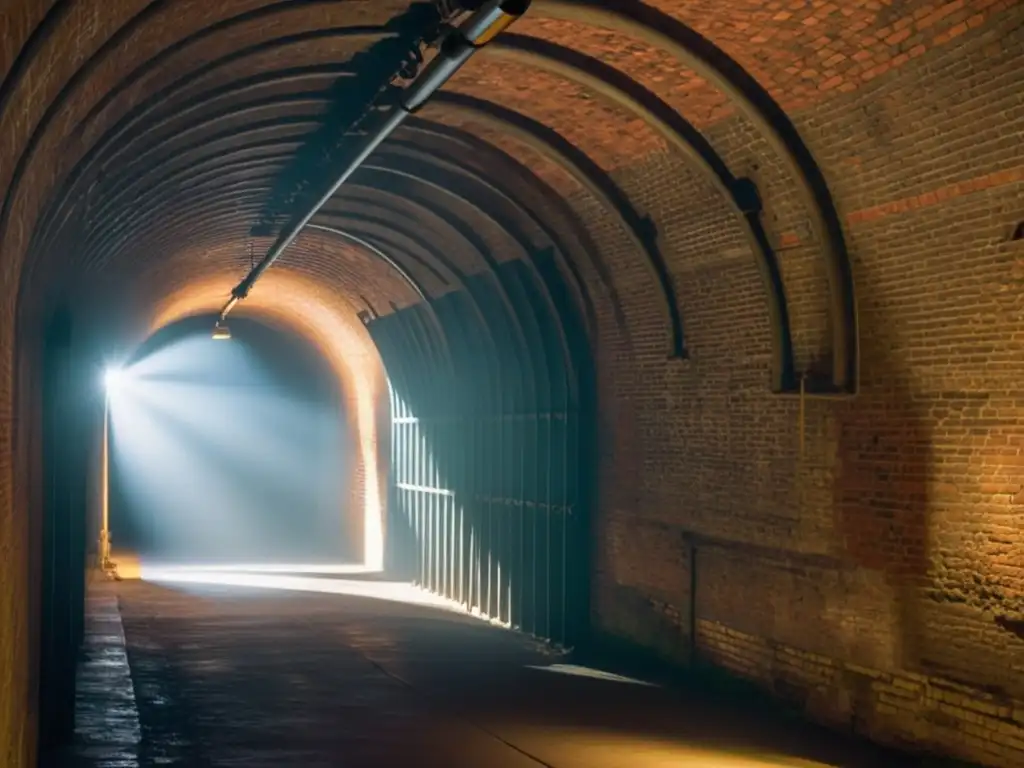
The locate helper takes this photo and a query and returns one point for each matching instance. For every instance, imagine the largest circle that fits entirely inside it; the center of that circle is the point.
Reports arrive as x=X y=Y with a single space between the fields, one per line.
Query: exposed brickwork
x=936 y=196
x=907 y=490
x=799 y=51
x=899 y=707
x=872 y=567
x=609 y=134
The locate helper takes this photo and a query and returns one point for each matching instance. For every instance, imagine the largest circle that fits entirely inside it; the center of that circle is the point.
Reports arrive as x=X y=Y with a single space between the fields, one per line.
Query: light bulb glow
x=113 y=379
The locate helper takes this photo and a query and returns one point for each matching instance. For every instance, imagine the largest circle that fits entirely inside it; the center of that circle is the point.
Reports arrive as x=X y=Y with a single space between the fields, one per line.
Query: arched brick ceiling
x=141 y=140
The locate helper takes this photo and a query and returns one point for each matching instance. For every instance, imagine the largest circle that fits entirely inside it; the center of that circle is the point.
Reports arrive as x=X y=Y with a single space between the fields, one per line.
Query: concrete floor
x=234 y=676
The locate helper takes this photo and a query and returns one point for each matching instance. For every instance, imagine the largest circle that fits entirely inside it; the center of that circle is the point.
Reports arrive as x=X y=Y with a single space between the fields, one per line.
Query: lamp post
x=107 y=565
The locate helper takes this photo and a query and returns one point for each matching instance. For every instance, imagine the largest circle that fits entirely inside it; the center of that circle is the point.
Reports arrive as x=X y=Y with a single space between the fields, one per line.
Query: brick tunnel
x=674 y=347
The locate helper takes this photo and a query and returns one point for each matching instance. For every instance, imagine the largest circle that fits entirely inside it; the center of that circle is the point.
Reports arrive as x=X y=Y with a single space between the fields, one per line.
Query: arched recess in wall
x=295 y=303
x=663 y=32
x=230 y=451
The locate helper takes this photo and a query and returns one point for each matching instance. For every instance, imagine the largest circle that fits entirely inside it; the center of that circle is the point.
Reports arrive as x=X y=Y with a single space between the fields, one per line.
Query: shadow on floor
x=226 y=675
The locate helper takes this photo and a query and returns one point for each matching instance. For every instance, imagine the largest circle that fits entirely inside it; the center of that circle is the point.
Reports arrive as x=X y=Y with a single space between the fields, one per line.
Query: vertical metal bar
x=531 y=361
x=430 y=375
x=501 y=404
x=428 y=518
x=480 y=485
x=460 y=512
x=436 y=504
x=392 y=543
x=490 y=475
x=499 y=494
x=408 y=502
x=422 y=521
x=401 y=469
x=461 y=445
x=534 y=538
x=566 y=511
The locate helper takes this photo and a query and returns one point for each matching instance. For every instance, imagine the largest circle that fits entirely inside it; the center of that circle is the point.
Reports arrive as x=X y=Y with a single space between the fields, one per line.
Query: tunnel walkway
x=232 y=676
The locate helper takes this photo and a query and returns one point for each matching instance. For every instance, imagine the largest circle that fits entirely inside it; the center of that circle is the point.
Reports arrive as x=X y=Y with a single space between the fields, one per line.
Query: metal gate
x=491 y=454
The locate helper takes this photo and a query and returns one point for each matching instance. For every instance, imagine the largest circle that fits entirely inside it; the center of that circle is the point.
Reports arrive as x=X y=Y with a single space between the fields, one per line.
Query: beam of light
x=241 y=422
x=114 y=379
x=595 y=674
x=328 y=321
x=392 y=591
x=194 y=358
x=326 y=569
x=202 y=462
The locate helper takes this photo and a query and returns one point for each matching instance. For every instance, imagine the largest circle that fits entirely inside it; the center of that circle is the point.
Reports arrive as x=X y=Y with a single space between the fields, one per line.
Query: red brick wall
x=870 y=568
x=875 y=576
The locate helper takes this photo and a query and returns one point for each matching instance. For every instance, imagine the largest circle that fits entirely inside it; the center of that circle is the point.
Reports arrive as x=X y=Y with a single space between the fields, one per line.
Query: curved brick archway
x=742 y=200
x=333 y=329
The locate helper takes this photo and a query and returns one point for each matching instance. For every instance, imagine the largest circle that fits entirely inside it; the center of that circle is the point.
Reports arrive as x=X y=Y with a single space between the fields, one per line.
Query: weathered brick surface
x=909 y=488
x=870 y=569
x=900 y=707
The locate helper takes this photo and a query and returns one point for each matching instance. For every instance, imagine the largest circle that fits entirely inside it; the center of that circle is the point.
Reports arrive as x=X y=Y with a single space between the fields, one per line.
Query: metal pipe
x=481 y=27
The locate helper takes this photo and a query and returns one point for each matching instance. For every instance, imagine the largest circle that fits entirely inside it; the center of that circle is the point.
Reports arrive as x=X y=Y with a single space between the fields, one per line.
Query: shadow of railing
x=491 y=450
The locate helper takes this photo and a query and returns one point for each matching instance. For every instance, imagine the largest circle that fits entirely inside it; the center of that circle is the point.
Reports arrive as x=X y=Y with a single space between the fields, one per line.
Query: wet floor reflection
x=349 y=674
x=107 y=733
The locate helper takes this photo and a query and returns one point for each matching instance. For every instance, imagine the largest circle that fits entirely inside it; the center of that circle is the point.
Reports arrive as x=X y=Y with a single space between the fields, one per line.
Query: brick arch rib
x=127 y=180
x=682 y=136
x=700 y=54
x=581 y=168
x=217 y=172
x=641 y=229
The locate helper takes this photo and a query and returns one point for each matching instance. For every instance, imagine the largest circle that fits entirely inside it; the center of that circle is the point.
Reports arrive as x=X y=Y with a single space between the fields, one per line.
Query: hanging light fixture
x=221 y=332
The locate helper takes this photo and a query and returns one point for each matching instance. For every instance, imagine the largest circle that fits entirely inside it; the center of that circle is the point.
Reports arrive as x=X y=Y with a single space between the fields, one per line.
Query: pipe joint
x=491 y=20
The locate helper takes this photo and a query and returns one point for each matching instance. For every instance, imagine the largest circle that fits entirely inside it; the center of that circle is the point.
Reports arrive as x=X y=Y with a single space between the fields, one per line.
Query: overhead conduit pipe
x=482 y=26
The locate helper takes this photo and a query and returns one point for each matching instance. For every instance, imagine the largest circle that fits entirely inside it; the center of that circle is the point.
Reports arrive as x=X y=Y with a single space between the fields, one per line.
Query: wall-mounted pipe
x=476 y=31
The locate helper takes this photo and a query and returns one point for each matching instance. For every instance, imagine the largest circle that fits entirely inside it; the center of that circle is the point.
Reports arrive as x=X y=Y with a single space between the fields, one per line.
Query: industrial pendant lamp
x=221 y=332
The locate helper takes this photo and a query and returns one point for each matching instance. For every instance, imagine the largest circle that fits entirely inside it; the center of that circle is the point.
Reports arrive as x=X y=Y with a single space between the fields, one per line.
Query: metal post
x=107 y=565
